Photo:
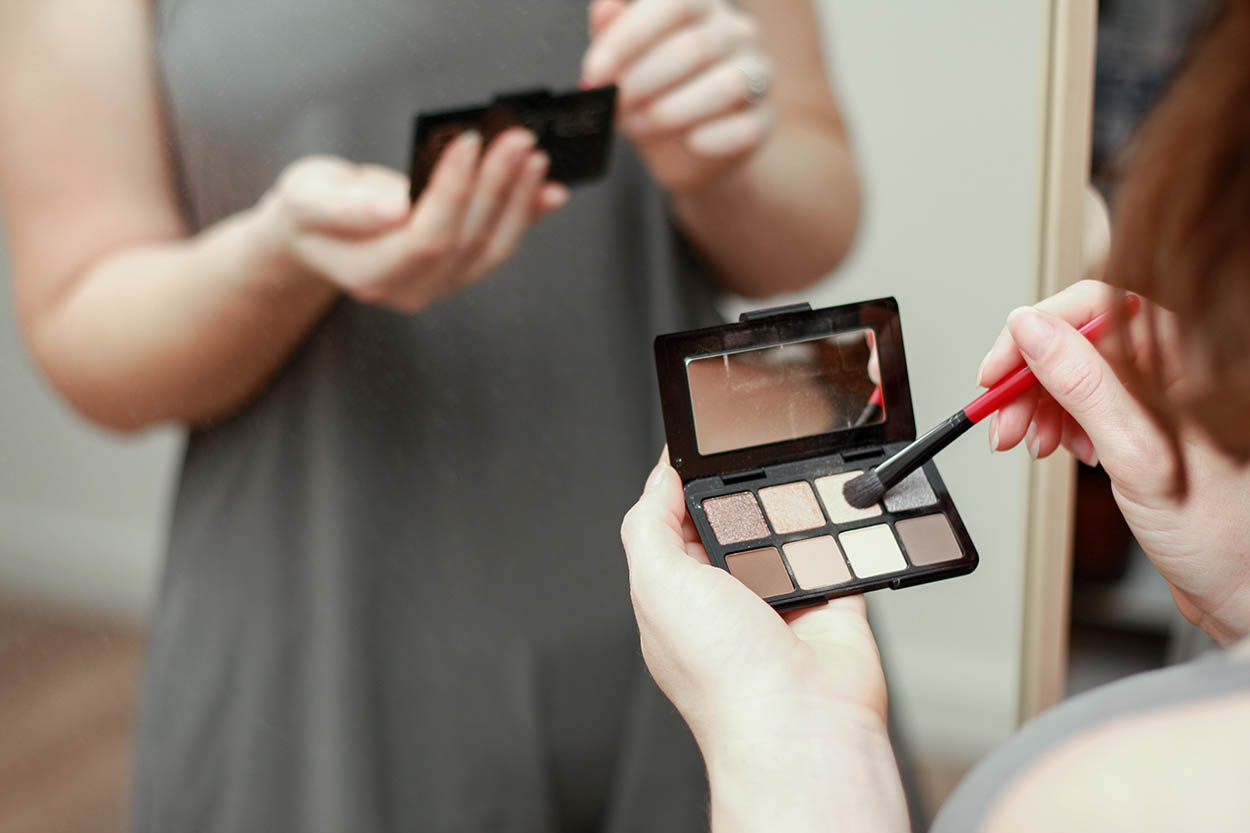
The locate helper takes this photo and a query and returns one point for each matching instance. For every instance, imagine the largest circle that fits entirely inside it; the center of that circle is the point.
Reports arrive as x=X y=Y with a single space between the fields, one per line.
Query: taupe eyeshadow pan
x=735 y=518
x=928 y=539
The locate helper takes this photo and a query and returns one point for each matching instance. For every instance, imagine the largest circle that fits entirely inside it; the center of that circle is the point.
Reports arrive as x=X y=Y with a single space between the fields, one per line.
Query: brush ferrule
x=922 y=450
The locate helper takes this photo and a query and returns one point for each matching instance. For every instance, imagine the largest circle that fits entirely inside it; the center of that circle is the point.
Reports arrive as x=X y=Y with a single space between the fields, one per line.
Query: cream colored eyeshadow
x=839 y=510
x=792 y=507
x=872 y=551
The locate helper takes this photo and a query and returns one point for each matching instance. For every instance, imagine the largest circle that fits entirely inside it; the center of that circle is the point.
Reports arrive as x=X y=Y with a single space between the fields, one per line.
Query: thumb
x=651 y=531
x=1081 y=381
x=602 y=13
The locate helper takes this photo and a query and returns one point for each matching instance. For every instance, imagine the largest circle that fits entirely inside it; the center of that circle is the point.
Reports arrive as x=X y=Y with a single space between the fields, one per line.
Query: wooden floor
x=67 y=698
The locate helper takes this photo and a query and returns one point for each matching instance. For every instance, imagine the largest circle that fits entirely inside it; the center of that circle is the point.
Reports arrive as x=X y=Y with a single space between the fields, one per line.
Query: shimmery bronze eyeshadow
x=792 y=507
x=761 y=570
x=912 y=492
x=816 y=562
x=735 y=518
x=929 y=539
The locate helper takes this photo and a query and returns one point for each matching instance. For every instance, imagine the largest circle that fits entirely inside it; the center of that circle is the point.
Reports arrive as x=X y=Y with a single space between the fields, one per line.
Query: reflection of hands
x=1200 y=545
x=800 y=696
x=692 y=81
x=351 y=225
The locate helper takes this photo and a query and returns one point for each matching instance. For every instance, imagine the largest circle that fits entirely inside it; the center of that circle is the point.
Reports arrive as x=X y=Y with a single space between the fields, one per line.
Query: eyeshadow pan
x=929 y=539
x=816 y=562
x=839 y=510
x=761 y=570
x=792 y=507
x=735 y=518
x=872 y=551
x=912 y=492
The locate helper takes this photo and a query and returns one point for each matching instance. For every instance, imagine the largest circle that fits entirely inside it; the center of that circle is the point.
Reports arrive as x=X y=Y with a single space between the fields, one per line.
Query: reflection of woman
x=790 y=712
x=383 y=607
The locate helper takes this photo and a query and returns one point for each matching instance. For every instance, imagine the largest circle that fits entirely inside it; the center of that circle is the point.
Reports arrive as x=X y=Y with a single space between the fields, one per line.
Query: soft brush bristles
x=863 y=491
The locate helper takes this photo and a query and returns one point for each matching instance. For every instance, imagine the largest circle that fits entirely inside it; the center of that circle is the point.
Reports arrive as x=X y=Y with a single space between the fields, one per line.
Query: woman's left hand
x=693 y=84
x=720 y=653
x=781 y=705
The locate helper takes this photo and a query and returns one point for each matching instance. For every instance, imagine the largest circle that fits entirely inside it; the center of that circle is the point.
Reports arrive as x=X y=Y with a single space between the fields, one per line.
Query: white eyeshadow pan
x=872 y=551
x=839 y=510
x=912 y=492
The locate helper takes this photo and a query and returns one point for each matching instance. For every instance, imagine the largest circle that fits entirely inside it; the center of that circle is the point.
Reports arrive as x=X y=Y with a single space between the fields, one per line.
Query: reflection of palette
x=573 y=128
x=763 y=477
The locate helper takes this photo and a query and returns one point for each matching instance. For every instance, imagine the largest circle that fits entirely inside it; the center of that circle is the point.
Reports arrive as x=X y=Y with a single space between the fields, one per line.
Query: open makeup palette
x=768 y=418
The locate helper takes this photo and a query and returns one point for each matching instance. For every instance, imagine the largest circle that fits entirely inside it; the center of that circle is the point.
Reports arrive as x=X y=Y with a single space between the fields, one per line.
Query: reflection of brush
x=872 y=411
x=865 y=490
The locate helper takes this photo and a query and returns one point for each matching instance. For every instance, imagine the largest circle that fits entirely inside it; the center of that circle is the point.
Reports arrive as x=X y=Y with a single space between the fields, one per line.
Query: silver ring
x=757 y=81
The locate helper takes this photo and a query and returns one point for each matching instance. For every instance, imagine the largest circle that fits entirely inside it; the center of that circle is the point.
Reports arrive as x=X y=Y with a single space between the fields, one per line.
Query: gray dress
x=395 y=597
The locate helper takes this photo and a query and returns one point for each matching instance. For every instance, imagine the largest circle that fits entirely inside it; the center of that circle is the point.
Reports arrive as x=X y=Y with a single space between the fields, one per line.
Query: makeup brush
x=865 y=490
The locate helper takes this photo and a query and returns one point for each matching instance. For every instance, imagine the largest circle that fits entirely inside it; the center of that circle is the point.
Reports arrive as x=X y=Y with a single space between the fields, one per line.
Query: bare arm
x=788 y=216
x=134 y=321
x=1177 y=768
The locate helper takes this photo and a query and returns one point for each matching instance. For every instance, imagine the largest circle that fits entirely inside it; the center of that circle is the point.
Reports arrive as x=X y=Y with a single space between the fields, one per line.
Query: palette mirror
x=786 y=391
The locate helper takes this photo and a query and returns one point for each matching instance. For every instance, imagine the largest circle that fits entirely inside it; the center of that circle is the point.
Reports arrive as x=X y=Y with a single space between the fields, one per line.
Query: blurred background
x=953 y=111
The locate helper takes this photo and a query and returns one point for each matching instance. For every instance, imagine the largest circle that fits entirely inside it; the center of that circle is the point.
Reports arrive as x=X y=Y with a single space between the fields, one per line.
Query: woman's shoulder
x=1157 y=751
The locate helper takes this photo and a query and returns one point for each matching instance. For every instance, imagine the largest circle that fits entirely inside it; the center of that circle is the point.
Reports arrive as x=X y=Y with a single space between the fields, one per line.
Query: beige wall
x=946 y=106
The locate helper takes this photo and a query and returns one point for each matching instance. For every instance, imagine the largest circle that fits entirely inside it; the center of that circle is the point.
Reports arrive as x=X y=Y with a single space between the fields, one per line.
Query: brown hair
x=1182 y=238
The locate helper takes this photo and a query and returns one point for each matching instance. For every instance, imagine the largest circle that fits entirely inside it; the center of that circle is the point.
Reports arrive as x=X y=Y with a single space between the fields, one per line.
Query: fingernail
x=657 y=474
x=596 y=66
x=390 y=205
x=993 y=432
x=538 y=163
x=639 y=124
x=1031 y=441
x=470 y=143
x=558 y=196
x=981 y=369
x=1087 y=454
x=1031 y=332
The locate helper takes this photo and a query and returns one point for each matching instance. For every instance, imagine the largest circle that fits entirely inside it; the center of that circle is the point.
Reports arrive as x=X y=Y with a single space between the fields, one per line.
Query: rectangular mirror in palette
x=768 y=418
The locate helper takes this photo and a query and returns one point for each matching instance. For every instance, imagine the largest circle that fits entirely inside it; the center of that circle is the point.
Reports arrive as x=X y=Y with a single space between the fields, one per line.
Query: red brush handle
x=1022 y=378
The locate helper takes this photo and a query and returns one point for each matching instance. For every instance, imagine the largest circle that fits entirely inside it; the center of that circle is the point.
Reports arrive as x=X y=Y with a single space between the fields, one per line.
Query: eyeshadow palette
x=573 y=128
x=767 y=420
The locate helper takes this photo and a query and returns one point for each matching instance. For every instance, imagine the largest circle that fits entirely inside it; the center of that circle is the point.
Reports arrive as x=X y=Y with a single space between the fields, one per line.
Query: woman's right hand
x=352 y=225
x=1199 y=544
